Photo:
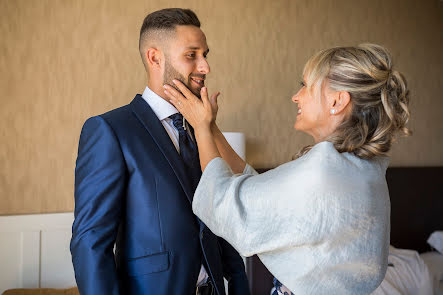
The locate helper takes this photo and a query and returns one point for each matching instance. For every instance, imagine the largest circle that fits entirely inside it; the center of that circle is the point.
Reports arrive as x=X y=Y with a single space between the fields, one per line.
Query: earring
x=332 y=112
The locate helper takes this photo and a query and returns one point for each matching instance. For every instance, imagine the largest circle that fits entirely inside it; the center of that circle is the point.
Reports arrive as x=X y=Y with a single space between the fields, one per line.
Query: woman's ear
x=341 y=100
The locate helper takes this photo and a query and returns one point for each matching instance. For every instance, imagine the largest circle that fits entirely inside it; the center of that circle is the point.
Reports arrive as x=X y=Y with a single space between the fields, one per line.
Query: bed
x=416 y=212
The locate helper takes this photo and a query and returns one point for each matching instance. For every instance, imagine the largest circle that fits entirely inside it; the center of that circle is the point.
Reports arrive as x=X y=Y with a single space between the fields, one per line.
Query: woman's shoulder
x=322 y=156
x=323 y=161
x=325 y=153
x=310 y=168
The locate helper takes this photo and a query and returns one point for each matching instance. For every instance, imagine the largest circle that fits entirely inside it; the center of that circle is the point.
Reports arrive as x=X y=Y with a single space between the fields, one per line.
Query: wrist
x=203 y=129
x=214 y=128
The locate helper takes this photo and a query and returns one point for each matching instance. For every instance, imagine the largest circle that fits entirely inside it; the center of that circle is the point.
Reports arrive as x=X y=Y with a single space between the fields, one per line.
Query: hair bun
x=396 y=100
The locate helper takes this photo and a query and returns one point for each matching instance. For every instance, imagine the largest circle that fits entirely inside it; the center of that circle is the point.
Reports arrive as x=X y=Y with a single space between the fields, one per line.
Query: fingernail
x=165 y=86
x=175 y=81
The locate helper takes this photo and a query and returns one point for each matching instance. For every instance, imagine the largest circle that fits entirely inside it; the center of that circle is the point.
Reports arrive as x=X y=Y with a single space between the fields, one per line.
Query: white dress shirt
x=163 y=110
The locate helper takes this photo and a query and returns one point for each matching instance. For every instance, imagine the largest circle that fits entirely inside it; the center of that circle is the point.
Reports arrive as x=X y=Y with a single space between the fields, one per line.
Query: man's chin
x=196 y=92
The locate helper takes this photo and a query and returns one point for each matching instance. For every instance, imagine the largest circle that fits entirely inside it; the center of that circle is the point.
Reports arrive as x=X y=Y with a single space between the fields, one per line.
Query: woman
x=319 y=223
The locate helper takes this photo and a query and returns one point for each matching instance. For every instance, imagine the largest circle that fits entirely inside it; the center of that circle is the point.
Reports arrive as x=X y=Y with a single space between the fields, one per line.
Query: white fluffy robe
x=320 y=223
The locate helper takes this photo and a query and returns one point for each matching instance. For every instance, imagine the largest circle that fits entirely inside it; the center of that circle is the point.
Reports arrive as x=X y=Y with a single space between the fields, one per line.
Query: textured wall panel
x=64 y=61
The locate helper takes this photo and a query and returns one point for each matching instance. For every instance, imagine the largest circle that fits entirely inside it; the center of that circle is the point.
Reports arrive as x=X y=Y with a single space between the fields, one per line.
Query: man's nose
x=203 y=66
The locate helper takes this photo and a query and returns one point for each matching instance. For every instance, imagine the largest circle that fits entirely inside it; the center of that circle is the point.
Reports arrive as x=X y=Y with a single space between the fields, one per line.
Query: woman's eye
x=302 y=84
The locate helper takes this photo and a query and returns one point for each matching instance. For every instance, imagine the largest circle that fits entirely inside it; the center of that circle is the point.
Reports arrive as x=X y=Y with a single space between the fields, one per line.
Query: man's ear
x=341 y=100
x=153 y=57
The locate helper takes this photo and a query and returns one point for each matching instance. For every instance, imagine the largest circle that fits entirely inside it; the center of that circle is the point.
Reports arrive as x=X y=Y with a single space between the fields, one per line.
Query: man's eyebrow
x=197 y=48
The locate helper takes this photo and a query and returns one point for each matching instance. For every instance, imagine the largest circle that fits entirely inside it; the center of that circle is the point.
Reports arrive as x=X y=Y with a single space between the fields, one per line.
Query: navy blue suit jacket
x=131 y=189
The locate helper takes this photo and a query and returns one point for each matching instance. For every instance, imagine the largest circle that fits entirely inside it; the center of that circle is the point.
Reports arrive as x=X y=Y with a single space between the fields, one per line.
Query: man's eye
x=191 y=55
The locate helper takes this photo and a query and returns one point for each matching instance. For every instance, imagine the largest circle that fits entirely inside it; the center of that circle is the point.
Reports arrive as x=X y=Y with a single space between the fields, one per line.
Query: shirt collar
x=161 y=107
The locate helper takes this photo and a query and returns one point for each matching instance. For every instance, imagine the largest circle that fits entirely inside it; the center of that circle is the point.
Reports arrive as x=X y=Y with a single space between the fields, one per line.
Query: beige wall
x=63 y=61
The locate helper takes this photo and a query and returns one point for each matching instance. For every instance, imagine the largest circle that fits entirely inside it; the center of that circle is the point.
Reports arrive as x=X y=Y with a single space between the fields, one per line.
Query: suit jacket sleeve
x=100 y=177
x=233 y=269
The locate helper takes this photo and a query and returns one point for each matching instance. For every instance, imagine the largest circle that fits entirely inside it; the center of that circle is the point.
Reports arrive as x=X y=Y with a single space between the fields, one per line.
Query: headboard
x=416 y=211
x=34 y=251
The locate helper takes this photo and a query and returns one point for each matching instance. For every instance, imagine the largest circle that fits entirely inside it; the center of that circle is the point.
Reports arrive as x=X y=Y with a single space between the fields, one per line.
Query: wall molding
x=34 y=251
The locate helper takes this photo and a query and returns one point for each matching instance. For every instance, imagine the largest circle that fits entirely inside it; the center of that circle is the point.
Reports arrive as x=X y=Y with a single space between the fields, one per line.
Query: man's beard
x=171 y=73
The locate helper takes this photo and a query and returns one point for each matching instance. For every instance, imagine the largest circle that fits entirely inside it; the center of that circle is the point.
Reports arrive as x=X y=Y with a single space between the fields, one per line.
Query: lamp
x=237 y=141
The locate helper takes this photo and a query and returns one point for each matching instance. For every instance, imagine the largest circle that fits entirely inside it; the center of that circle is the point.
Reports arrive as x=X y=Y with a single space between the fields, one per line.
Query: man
x=136 y=172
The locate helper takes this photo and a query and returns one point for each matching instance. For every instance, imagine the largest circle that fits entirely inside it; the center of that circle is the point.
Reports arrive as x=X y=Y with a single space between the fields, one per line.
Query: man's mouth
x=200 y=82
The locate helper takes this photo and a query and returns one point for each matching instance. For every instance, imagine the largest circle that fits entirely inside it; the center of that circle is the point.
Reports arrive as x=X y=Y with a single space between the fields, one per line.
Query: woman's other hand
x=199 y=113
x=214 y=105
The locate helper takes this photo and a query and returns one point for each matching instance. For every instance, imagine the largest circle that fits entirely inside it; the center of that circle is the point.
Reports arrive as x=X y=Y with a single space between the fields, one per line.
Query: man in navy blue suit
x=136 y=172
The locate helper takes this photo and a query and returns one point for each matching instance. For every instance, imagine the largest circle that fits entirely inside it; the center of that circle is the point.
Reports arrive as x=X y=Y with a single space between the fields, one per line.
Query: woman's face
x=313 y=114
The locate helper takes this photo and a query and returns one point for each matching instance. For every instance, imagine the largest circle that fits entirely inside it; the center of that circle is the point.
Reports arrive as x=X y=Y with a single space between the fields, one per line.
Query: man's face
x=185 y=58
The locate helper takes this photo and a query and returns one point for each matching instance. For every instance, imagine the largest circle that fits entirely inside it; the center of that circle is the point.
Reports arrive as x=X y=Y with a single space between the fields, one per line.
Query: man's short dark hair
x=165 y=20
x=168 y=19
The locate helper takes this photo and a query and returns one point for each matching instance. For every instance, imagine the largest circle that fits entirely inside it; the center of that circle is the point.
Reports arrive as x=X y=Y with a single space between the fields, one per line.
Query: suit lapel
x=146 y=115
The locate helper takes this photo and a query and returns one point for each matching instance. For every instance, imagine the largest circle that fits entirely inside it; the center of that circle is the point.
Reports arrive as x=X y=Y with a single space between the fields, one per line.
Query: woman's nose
x=296 y=97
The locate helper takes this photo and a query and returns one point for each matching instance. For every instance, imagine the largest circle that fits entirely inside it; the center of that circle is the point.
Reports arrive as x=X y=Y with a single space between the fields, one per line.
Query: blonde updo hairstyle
x=379 y=97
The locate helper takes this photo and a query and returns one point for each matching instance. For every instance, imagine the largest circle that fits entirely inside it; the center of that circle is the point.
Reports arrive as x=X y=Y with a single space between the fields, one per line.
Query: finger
x=186 y=92
x=174 y=96
x=175 y=102
x=170 y=96
x=204 y=96
x=172 y=91
x=214 y=98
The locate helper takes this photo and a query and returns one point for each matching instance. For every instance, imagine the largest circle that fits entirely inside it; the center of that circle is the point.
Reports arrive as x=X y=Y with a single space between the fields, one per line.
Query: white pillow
x=436 y=241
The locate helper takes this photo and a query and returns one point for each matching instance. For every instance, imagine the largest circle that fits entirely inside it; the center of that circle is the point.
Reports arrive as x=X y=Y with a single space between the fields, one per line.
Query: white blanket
x=434 y=262
x=320 y=224
x=407 y=274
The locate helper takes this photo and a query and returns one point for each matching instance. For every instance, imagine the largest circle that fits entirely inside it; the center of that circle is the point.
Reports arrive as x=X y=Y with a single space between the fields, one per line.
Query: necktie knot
x=177 y=120
x=188 y=149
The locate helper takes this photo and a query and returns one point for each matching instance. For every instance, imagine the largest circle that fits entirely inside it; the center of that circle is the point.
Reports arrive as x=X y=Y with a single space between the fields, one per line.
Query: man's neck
x=158 y=89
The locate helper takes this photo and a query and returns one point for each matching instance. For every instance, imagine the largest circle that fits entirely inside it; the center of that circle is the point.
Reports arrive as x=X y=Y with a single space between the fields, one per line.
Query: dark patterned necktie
x=188 y=149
